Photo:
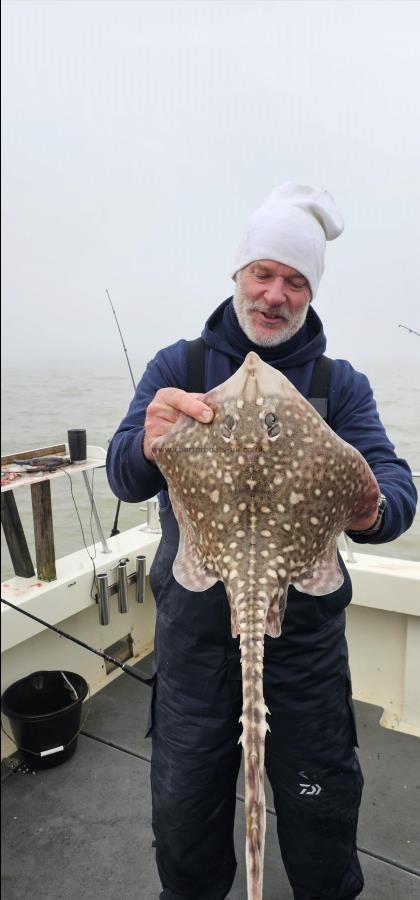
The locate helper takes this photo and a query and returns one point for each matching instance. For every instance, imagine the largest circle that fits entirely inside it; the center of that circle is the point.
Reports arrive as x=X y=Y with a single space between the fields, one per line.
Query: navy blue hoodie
x=352 y=411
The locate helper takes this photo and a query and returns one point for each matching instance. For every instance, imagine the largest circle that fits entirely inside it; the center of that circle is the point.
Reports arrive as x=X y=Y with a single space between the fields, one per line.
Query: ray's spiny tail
x=251 y=608
x=253 y=739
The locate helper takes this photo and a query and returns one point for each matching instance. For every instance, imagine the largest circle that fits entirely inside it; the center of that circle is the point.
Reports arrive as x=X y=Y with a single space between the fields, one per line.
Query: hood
x=223 y=332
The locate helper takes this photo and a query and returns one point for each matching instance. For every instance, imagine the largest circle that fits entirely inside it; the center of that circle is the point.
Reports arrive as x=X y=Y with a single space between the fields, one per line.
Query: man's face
x=271 y=302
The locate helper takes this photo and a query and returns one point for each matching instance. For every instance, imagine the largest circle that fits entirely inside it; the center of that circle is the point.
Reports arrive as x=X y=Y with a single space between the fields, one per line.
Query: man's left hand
x=362 y=523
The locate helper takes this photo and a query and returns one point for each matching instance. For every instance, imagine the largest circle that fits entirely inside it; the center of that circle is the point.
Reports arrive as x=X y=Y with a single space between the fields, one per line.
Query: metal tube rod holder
x=350 y=558
x=104 y=542
x=152 y=524
x=140 y=578
x=153 y=521
x=103 y=598
x=122 y=586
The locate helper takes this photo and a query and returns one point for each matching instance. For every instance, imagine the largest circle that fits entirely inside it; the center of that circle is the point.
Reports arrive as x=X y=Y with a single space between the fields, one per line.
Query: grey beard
x=295 y=321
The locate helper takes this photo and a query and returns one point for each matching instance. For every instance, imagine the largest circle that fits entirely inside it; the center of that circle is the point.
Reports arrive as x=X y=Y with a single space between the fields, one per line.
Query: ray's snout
x=251 y=367
x=252 y=364
x=252 y=380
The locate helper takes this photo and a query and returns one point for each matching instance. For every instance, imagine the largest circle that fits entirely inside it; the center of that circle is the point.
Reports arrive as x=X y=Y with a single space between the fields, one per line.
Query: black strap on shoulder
x=195 y=377
x=319 y=387
x=318 y=391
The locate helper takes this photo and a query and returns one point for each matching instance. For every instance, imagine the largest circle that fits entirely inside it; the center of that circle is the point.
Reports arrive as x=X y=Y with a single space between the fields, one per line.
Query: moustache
x=271 y=312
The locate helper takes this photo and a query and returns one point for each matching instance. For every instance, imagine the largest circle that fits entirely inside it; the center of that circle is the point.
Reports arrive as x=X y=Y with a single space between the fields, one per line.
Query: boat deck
x=84 y=827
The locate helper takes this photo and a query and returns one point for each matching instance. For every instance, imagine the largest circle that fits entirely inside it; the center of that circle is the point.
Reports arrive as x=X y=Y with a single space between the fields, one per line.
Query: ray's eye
x=273 y=425
x=227 y=427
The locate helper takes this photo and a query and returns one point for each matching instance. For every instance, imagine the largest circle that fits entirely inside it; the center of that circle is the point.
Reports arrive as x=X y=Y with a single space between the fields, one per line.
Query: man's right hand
x=164 y=409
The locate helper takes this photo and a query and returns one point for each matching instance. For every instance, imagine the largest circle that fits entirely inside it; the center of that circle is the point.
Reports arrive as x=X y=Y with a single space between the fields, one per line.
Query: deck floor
x=84 y=828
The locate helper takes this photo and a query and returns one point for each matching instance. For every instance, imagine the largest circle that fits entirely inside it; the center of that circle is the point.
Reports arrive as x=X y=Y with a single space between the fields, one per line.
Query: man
x=197 y=693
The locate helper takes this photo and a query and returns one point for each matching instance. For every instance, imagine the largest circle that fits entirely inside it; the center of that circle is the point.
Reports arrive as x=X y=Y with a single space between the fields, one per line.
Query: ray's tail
x=253 y=718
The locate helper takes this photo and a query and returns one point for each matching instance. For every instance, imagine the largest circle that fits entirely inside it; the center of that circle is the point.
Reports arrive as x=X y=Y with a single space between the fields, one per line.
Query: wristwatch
x=382 y=504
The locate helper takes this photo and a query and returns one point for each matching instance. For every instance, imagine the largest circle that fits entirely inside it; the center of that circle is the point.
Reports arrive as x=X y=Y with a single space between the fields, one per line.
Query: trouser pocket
x=151 y=713
x=350 y=705
x=317 y=785
x=317 y=818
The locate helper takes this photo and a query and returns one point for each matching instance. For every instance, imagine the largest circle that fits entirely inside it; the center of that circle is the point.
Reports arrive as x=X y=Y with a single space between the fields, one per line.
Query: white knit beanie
x=291 y=227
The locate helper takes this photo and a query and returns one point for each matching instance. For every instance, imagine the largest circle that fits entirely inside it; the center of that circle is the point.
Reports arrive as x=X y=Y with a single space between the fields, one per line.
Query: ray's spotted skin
x=261 y=495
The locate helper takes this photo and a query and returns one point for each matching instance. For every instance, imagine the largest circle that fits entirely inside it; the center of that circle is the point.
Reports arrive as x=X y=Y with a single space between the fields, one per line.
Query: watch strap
x=382 y=503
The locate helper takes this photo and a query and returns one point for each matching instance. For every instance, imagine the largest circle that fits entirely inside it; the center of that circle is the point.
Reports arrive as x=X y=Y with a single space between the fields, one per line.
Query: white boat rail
x=383 y=621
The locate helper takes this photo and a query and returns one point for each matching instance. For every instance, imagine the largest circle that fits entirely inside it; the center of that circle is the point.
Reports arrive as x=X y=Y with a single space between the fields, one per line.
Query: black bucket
x=45 y=710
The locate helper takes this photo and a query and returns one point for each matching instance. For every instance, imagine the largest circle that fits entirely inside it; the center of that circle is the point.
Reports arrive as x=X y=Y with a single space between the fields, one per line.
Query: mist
x=139 y=136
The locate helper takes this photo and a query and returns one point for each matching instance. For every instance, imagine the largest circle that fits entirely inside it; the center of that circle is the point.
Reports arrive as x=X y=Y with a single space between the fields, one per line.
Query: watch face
x=382 y=504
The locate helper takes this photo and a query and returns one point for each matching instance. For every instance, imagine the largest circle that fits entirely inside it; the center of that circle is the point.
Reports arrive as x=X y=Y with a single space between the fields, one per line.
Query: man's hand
x=366 y=513
x=164 y=409
x=370 y=515
x=362 y=523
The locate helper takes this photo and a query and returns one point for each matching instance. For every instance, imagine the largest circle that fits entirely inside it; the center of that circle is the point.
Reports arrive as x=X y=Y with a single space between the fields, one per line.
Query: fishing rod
x=117 y=513
x=411 y=330
x=129 y=670
x=122 y=339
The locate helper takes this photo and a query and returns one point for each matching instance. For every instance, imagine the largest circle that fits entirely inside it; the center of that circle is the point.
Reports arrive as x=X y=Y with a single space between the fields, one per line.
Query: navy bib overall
x=310 y=757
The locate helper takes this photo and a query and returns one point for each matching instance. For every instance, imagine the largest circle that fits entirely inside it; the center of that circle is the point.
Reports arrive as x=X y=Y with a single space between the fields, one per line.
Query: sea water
x=41 y=403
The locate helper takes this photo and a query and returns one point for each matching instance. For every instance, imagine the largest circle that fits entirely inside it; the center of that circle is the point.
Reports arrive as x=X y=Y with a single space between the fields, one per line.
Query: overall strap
x=319 y=387
x=318 y=391
x=195 y=377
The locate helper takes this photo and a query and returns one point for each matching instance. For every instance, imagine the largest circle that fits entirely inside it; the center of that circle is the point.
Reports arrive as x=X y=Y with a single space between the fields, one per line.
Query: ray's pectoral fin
x=275 y=612
x=234 y=618
x=324 y=577
x=234 y=621
x=189 y=567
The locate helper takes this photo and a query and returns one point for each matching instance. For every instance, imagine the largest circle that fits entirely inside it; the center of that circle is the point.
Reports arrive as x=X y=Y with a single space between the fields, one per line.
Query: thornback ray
x=260 y=495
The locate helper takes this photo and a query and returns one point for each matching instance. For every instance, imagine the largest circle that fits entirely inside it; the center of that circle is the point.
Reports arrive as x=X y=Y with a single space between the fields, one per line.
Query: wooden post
x=43 y=531
x=15 y=536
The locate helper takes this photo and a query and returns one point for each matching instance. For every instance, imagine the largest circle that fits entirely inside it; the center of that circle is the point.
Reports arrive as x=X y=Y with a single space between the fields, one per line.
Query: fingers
x=165 y=408
x=190 y=404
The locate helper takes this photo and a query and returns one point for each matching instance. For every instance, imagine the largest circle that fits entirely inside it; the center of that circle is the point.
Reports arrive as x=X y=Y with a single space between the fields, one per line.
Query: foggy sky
x=139 y=136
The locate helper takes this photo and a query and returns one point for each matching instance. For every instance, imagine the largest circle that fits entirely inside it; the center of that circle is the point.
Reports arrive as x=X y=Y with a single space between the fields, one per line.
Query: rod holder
x=103 y=598
x=350 y=558
x=153 y=521
x=140 y=578
x=122 y=582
